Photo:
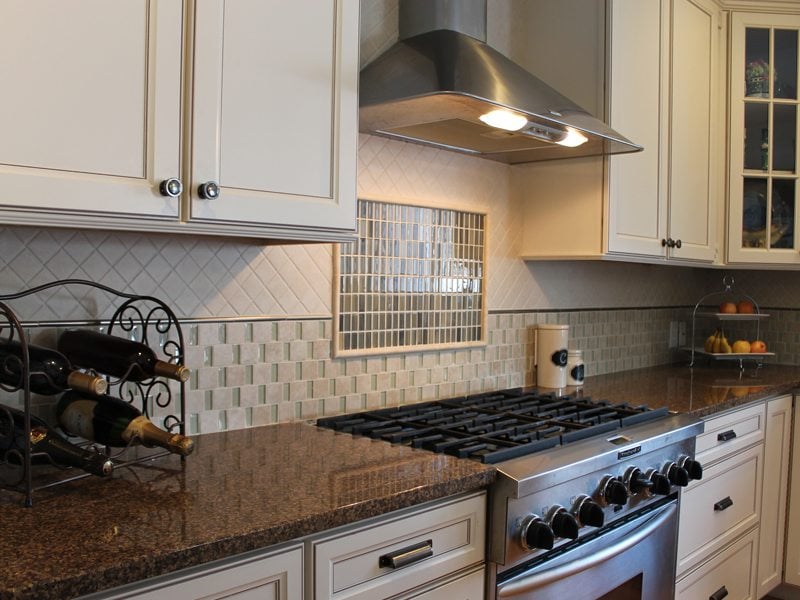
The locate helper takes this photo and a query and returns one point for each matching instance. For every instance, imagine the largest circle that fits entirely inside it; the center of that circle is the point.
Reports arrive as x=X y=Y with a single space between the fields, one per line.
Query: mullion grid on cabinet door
x=770 y=109
x=414 y=280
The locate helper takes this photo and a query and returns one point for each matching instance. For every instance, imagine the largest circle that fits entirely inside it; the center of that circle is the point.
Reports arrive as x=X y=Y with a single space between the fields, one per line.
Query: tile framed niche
x=413 y=280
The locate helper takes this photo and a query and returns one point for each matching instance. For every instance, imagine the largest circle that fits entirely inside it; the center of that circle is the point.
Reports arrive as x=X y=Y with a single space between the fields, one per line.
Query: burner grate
x=494 y=426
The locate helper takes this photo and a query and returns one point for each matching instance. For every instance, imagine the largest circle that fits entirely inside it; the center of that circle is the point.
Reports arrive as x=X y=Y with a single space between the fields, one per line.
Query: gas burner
x=494 y=426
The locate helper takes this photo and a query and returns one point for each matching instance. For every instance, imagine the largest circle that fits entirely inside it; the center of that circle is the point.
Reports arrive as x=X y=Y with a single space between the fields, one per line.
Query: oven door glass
x=633 y=562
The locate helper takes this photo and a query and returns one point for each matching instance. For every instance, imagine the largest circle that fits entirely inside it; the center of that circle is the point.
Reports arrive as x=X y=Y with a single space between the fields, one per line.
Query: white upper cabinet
x=664 y=94
x=104 y=101
x=662 y=79
x=275 y=113
x=763 y=185
x=90 y=111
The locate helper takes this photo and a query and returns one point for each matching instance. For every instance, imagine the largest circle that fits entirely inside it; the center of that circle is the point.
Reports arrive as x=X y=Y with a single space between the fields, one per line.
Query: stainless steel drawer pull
x=726 y=435
x=726 y=502
x=719 y=594
x=406 y=556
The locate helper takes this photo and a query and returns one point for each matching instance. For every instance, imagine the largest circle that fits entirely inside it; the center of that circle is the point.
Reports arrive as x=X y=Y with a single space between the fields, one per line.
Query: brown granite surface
x=701 y=391
x=238 y=491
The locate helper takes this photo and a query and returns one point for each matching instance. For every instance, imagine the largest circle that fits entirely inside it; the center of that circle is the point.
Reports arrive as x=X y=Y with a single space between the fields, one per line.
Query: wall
x=258 y=317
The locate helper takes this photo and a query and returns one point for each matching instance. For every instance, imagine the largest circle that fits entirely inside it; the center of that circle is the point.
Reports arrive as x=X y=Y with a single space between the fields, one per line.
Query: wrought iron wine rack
x=134 y=313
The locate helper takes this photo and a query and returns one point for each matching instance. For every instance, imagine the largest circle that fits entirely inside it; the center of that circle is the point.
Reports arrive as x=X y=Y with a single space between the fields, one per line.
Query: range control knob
x=637 y=481
x=535 y=534
x=613 y=491
x=563 y=523
x=676 y=475
x=693 y=468
x=661 y=484
x=589 y=512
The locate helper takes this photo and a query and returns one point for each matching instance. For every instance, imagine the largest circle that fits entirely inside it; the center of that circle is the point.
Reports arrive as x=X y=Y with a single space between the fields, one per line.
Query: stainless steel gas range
x=585 y=505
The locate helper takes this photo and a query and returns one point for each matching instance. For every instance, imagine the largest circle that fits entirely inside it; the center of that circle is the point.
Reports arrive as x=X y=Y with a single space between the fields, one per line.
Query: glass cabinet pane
x=754 y=213
x=784 y=140
x=782 y=214
x=756 y=135
x=756 y=65
x=785 y=64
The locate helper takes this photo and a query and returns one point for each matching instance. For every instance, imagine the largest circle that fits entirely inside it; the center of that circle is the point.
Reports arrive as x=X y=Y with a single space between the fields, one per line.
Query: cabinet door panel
x=637 y=205
x=275 y=110
x=693 y=167
x=91 y=105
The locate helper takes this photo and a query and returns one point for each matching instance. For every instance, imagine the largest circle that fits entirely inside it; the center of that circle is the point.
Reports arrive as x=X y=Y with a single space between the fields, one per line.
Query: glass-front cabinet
x=763 y=144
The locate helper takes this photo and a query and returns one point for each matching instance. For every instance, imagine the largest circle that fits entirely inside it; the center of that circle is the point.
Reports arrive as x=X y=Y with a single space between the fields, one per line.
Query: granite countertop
x=239 y=491
x=253 y=488
x=700 y=391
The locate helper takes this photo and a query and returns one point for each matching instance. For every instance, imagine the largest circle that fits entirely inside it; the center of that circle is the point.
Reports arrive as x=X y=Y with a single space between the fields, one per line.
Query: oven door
x=633 y=561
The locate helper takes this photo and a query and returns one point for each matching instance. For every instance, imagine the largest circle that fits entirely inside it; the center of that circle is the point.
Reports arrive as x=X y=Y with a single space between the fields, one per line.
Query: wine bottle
x=116 y=356
x=46 y=442
x=51 y=372
x=114 y=422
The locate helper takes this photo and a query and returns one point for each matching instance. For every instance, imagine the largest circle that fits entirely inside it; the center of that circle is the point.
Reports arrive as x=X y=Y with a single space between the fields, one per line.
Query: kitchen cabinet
x=267 y=126
x=732 y=520
x=662 y=77
x=777 y=446
x=792 y=559
x=408 y=556
x=763 y=164
x=276 y=574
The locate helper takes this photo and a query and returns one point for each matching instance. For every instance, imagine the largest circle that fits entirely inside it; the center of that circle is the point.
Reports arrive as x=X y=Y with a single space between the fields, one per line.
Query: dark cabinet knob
x=564 y=524
x=615 y=492
x=590 y=513
x=208 y=190
x=693 y=468
x=171 y=188
x=670 y=243
x=536 y=534
x=678 y=243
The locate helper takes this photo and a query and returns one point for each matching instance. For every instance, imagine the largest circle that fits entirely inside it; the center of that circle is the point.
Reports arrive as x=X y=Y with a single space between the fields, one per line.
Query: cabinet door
x=275 y=115
x=90 y=109
x=763 y=170
x=694 y=134
x=637 y=209
x=777 y=445
x=792 y=563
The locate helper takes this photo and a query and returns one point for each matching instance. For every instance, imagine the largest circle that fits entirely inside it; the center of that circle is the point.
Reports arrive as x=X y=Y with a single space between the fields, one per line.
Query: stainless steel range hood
x=436 y=83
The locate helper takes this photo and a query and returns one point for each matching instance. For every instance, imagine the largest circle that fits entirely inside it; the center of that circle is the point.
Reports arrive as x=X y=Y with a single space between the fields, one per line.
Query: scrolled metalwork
x=145 y=313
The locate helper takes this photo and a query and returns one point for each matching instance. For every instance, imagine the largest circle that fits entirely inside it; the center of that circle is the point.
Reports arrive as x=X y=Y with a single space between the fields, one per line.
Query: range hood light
x=573 y=138
x=505 y=119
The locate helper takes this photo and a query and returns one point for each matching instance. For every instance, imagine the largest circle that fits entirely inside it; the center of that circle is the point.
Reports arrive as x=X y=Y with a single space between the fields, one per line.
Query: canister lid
x=552 y=326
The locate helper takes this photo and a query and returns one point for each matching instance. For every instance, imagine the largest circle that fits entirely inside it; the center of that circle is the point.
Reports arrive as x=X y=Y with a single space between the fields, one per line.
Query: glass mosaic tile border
x=414 y=279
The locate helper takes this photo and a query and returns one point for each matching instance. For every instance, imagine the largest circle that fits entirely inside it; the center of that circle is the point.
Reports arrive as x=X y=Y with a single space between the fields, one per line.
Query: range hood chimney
x=442 y=85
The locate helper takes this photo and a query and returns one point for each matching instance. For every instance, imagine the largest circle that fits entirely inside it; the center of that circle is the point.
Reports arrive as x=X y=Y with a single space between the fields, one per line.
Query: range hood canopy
x=436 y=83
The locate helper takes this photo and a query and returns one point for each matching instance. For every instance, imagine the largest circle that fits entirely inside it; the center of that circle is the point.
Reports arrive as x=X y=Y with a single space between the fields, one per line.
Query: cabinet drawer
x=352 y=564
x=719 y=507
x=731 y=569
x=729 y=433
x=466 y=587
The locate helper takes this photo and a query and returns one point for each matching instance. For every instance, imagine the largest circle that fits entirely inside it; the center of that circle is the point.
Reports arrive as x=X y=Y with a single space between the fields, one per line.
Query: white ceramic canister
x=551 y=355
x=575 y=368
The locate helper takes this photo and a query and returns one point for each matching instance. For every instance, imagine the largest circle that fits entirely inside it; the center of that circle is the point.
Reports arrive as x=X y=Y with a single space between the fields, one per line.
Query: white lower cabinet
x=408 y=556
x=731 y=529
x=792 y=564
x=729 y=574
x=263 y=575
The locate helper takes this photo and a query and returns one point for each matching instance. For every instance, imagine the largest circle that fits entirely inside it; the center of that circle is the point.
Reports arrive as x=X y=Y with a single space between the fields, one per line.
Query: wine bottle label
x=77 y=418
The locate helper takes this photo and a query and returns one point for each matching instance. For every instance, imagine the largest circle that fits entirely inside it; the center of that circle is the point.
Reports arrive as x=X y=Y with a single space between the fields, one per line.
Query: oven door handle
x=537 y=580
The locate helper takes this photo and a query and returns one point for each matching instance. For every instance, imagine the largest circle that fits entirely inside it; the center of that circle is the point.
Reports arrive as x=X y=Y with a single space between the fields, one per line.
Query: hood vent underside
x=432 y=88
